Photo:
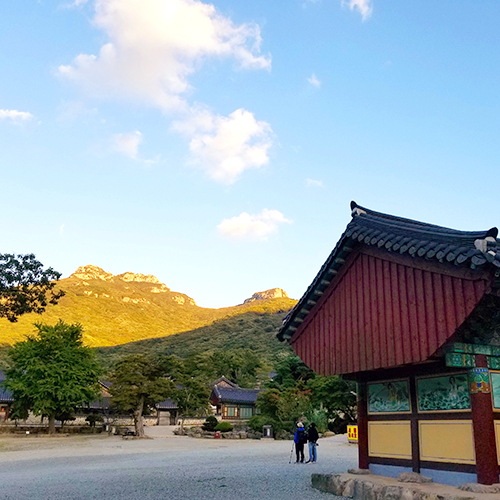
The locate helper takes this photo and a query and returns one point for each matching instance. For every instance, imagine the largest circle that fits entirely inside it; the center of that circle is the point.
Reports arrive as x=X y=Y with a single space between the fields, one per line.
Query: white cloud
x=313 y=183
x=14 y=115
x=154 y=45
x=127 y=144
x=252 y=227
x=314 y=81
x=224 y=147
x=364 y=7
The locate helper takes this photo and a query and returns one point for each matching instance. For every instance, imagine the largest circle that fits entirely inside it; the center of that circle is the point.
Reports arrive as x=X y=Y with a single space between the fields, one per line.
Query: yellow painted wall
x=497 y=432
x=389 y=439
x=447 y=441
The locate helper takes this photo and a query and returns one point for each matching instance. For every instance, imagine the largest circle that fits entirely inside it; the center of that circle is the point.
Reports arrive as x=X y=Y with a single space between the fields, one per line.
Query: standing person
x=312 y=435
x=300 y=439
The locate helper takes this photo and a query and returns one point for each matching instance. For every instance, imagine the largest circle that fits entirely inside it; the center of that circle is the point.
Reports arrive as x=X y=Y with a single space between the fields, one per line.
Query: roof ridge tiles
x=404 y=236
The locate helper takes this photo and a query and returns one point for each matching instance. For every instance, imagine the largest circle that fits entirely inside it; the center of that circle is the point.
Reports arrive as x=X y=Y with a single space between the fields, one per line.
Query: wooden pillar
x=415 y=442
x=483 y=423
x=363 y=458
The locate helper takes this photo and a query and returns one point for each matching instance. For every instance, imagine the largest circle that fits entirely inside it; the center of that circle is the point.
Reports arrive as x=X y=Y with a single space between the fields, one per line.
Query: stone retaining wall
x=372 y=487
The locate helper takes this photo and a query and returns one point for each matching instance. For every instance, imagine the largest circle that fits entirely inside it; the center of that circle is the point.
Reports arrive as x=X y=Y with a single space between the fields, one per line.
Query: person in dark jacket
x=312 y=435
x=300 y=440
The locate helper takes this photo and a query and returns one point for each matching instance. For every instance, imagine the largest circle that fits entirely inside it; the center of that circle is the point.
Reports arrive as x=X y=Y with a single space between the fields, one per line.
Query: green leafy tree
x=335 y=395
x=52 y=372
x=191 y=396
x=267 y=403
x=282 y=408
x=238 y=365
x=138 y=384
x=291 y=372
x=293 y=405
x=25 y=286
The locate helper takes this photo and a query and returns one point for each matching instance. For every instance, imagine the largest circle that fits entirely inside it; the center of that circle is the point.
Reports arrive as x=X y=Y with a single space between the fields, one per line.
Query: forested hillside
x=252 y=330
x=125 y=308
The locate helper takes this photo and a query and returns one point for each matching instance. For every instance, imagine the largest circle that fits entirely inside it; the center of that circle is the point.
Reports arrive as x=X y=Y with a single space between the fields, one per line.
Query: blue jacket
x=300 y=436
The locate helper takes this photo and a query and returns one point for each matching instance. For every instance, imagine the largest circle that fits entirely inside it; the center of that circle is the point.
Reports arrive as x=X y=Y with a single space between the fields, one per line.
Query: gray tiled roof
x=168 y=404
x=236 y=395
x=5 y=394
x=473 y=249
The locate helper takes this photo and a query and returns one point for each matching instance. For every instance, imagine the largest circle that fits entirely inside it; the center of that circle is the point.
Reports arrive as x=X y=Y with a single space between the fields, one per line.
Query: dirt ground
x=165 y=466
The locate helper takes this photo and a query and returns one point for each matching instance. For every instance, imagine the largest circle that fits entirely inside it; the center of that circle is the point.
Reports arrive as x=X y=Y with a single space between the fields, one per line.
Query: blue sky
x=217 y=145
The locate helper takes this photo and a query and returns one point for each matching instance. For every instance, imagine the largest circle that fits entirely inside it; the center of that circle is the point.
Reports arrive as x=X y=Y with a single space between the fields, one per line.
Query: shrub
x=224 y=427
x=93 y=418
x=210 y=423
x=320 y=418
x=257 y=422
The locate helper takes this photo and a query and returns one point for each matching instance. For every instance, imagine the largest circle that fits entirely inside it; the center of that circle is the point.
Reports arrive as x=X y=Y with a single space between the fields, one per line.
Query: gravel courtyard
x=165 y=467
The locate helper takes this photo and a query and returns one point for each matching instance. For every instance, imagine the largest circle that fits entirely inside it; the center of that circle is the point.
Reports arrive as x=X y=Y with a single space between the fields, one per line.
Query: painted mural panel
x=389 y=397
x=443 y=393
x=495 y=389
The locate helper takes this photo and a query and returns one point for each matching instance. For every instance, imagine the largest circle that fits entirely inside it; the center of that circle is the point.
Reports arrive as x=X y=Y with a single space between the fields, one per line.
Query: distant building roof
x=224 y=382
x=168 y=404
x=235 y=395
x=5 y=394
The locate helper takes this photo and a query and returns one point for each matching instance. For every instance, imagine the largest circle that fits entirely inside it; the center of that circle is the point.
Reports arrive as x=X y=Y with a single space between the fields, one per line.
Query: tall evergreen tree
x=138 y=384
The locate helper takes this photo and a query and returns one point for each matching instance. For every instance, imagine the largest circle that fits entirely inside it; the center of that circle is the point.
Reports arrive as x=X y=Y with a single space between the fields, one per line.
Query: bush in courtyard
x=93 y=418
x=224 y=427
x=210 y=423
x=257 y=422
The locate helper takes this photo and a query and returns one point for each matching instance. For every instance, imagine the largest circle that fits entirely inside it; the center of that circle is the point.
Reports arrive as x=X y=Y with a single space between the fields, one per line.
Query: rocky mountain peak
x=273 y=293
x=92 y=273
x=138 y=277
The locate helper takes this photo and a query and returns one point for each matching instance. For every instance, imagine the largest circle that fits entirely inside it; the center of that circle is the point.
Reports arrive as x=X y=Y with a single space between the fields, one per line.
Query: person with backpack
x=300 y=439
x=312 y=435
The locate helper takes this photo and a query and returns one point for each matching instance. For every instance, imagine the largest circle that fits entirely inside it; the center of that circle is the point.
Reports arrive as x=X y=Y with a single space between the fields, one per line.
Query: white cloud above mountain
x=153 y=46
x=252 y=226
x=224 y=147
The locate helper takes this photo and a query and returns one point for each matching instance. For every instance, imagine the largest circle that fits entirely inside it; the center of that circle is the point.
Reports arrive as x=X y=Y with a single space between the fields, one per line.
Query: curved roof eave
x=397 y=235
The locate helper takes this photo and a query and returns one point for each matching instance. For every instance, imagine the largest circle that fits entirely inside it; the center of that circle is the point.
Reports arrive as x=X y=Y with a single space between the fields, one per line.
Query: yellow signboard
x=352 y=433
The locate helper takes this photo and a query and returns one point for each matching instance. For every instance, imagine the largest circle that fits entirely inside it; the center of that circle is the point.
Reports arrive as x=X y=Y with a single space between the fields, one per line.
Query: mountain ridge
x=129 y=307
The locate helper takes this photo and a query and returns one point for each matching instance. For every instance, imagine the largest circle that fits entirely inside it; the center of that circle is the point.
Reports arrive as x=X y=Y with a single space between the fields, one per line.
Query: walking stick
x=291 y=452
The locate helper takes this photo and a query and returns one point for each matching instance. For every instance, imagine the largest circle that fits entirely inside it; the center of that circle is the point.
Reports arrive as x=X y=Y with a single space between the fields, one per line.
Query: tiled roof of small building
x=100 y=404
x=235 y=395
x=473 y=249
x=168 y=404
x=5 y=394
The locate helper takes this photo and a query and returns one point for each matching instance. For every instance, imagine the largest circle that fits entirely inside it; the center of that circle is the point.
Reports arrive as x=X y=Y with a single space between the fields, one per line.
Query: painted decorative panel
x=495 y=389
x=446 y=441
x=389 y=439
x=479 y=381
x=389 y=397
x=444 y=393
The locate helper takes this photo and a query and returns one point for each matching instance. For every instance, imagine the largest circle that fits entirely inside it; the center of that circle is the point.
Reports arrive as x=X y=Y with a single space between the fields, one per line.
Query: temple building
x=411 y=311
